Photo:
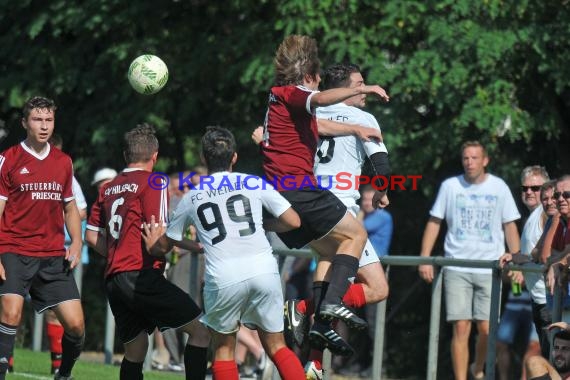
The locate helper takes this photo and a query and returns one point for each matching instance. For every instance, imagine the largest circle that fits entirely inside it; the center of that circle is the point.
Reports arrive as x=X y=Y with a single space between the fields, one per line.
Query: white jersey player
x=242 y=282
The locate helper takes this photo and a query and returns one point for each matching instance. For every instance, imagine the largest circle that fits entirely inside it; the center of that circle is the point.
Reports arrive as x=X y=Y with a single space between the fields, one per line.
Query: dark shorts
x=320 y=211
x=143 y=300
x=48 y=280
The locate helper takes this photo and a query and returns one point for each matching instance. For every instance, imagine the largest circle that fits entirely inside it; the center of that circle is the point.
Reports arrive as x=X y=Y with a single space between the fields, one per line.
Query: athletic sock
x=7 y=339
x=55 y=336
x=131 y=370
x=225 y=370
x=71 y=347
x=195 y=362
x=316 y=356
x=354 y=296
x=319 y=291
x=343 y=268
x=288 y=365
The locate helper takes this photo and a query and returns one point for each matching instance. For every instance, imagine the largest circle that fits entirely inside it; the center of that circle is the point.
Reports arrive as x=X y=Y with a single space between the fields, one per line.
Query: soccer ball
x=148 y=74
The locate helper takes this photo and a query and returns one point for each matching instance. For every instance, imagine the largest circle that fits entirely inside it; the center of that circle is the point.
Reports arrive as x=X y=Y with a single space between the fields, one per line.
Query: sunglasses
x=565 y=194
x=524 y=189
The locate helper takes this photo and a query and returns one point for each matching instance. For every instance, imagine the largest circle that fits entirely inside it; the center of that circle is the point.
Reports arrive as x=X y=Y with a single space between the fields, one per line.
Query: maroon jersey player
x=289 y=146
x=36 y=199
x=140 y=297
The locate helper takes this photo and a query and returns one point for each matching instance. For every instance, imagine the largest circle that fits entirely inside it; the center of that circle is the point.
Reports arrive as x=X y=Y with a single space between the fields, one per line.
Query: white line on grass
x=32 y=376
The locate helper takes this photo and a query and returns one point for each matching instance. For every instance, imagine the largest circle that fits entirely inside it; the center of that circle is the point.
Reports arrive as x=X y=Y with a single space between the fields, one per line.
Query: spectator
x=539 y=368
x=517 y=316
x=103 y=176
x=377 y=221
x=480 y=213
x=560 y=252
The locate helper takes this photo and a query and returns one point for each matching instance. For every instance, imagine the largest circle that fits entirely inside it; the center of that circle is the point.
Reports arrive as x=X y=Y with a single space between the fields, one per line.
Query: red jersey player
x=35 y=199
x=140 y=297
x=289 y=147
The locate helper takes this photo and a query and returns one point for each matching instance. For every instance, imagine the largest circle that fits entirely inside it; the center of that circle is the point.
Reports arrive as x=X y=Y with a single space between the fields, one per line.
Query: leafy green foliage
x=491 y=70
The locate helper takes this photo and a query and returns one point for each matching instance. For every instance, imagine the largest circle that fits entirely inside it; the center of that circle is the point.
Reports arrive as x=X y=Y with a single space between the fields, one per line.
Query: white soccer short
x=369 y=254
x=256 y=302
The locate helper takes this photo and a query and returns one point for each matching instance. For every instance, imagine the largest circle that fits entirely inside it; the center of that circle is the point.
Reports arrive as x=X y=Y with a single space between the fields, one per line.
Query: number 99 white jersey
x=226 y=209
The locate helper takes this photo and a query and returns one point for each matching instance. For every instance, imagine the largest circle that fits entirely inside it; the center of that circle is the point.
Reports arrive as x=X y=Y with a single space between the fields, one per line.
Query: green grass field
x=36 y=365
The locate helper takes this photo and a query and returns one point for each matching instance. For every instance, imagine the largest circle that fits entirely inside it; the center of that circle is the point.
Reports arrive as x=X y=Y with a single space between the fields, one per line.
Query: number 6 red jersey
x=123 y=205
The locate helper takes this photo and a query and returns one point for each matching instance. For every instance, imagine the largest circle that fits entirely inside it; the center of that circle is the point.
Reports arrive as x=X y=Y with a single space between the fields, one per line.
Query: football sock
x=131 y=370
x=354 y=296
x=288 y=365
x=195 y=362
x=7 y=338
x=342 y=269
x=225 y=370
x=319 y=291
x=316 y=356
x=55 y=335
x=71 y=347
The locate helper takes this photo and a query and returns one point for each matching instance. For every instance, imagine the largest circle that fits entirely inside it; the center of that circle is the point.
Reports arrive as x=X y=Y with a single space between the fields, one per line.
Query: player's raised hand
x=152 y=232
x=257 y=135
x=560 y=325
x=376 y=90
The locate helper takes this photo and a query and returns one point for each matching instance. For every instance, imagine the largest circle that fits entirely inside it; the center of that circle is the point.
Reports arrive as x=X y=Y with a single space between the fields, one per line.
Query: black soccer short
x=143 y=300
x=320 y=211
x=48 y=280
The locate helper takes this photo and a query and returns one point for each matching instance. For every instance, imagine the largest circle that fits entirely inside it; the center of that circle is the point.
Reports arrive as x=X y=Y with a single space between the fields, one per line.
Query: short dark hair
x=562 y=334
x=218 y=148
x=338 y=75
x=140 y=143
x=37 y=102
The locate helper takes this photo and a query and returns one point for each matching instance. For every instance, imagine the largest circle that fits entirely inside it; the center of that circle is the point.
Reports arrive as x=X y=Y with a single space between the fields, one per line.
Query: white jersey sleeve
x=78 y=193
x=274 y=202
x=371 y=147
x=180 y=220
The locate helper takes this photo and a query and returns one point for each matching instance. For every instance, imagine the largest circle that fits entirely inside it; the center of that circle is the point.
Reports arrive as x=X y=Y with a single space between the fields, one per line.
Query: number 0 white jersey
x=344 y=154
x=226 y=209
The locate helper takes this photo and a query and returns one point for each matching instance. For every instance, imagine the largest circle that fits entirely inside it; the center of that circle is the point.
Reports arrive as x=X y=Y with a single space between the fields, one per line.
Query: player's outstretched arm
x=156 y=242
x=334 y=128
x=337 y=95
x=97 y=241
x=257 y=135
x=73 y=225
x=287 y=221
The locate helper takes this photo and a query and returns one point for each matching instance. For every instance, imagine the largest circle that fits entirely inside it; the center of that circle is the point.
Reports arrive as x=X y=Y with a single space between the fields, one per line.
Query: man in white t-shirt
x=480 y=213
x=242 y=285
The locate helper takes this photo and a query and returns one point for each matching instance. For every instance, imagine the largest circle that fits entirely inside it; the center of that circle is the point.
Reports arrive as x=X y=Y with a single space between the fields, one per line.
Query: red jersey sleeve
x=96 y=222
x=68 y=184
x=5 y=181
x=155 y=202
x=298 y=100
